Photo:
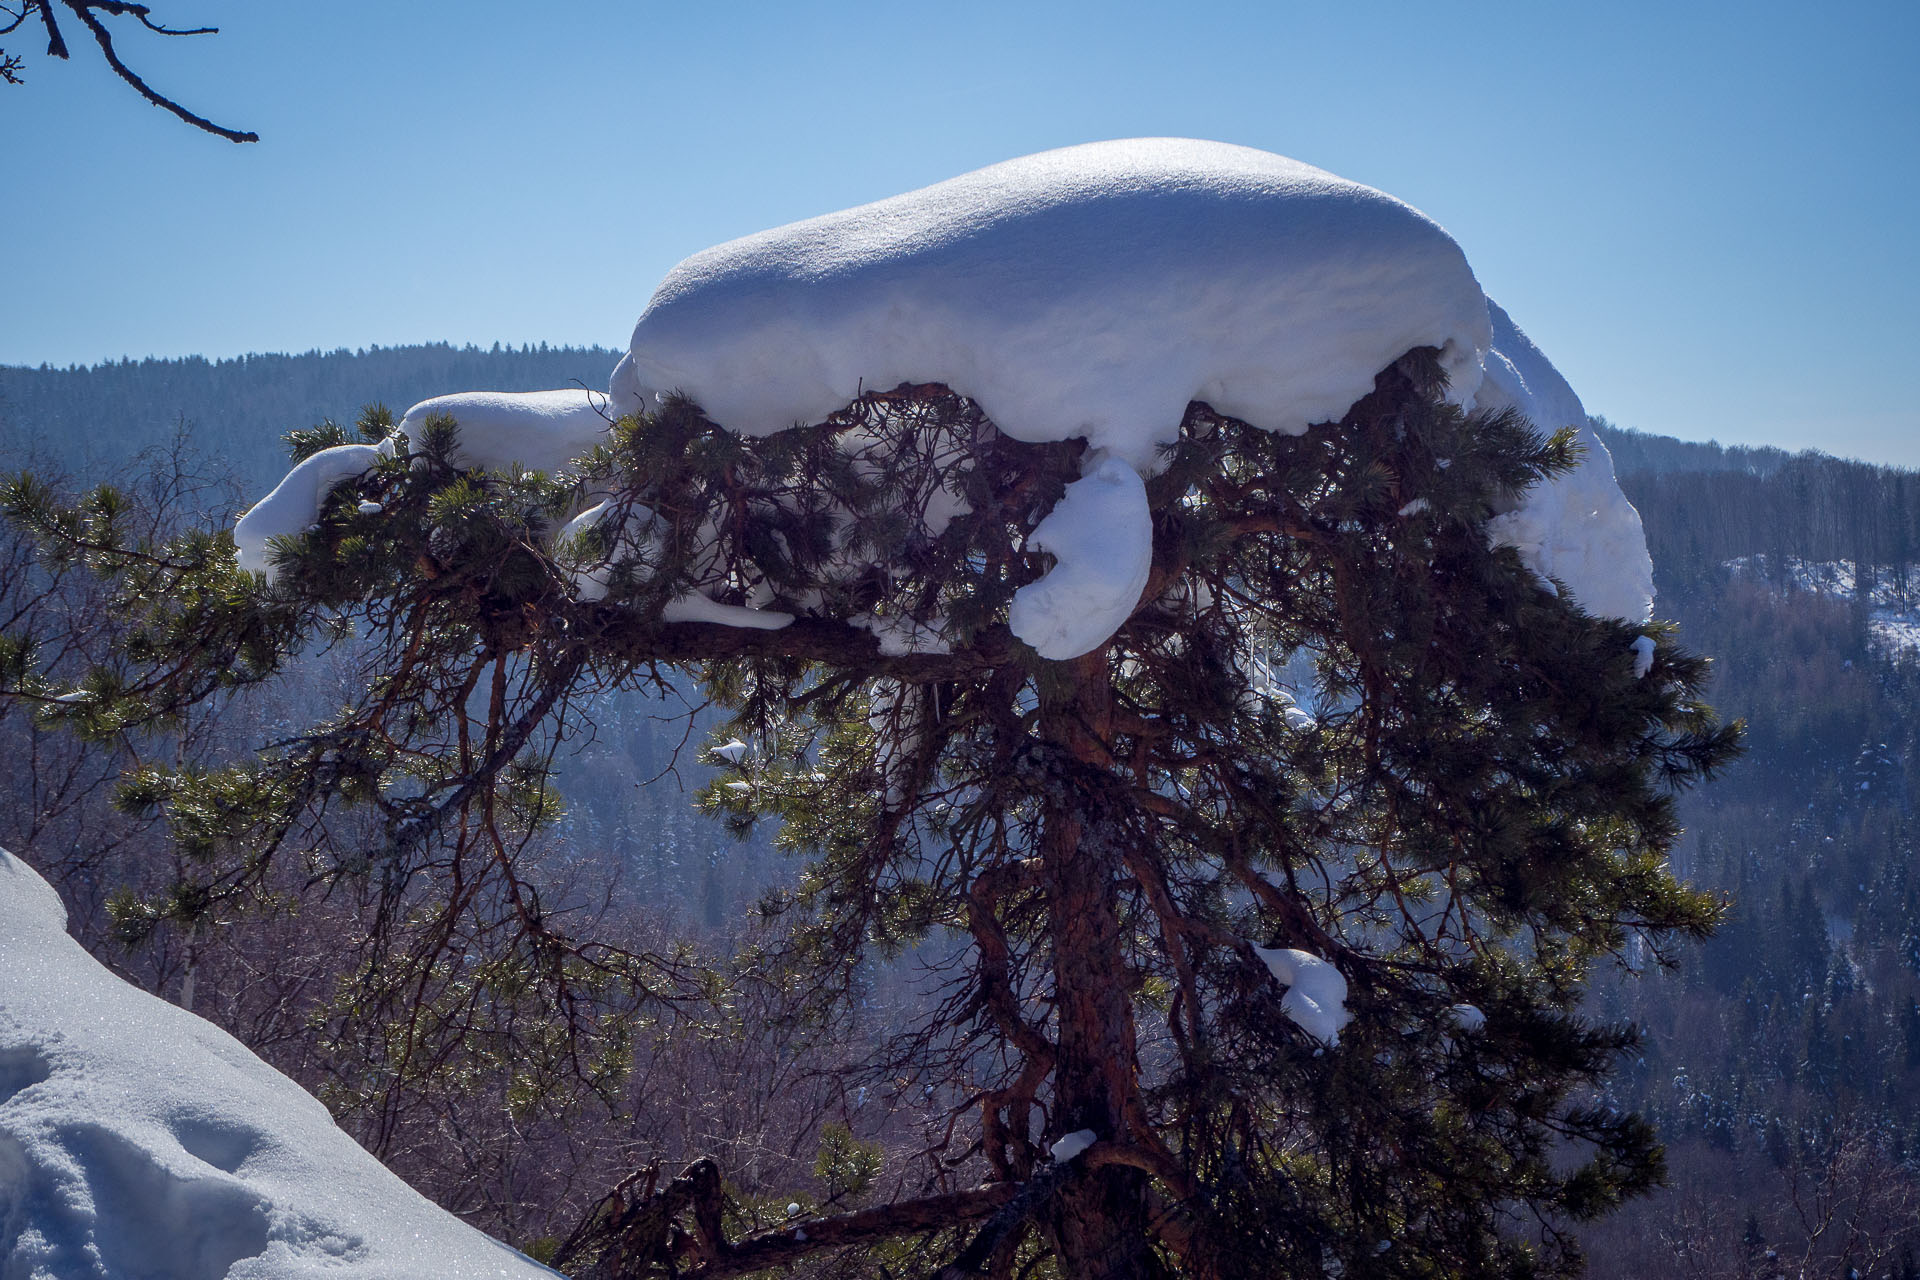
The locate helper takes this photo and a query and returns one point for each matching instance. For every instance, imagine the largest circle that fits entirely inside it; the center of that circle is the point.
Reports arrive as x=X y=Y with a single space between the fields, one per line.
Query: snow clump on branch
x=1316 y=999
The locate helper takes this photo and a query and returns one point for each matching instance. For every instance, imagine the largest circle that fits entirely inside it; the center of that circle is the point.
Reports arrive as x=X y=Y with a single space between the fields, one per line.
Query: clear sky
x=1705 y=213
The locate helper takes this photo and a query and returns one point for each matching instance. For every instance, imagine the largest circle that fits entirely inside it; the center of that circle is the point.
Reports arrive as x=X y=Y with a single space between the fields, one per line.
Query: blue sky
x=1703 y=212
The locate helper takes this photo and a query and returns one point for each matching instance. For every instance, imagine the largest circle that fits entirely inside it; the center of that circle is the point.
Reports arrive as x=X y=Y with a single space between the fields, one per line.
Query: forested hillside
x=1781 y=1059
x=89 y=419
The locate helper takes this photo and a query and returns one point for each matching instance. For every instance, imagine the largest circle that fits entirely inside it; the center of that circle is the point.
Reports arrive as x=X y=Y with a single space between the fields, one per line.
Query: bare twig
x=87 y=13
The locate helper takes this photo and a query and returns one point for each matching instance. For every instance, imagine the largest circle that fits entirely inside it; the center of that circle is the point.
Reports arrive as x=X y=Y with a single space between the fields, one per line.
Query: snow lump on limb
x=538 y=430
x=1100 y=534
x=1072 y=1146
x=294 y=505
x=1316 y=999
x=1577 y=528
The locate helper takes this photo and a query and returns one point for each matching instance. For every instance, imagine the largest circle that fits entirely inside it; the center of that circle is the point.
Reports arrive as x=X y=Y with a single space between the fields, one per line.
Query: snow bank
x=1316 y=998
x=1578 y=528
x=137 y=1140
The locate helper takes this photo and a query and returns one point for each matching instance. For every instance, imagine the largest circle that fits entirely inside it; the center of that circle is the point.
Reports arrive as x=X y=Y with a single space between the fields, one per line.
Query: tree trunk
x=1098 y=1221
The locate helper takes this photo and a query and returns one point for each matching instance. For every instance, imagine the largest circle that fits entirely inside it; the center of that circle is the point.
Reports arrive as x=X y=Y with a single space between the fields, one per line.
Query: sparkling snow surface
x=1090 y=292
x=137 y=1140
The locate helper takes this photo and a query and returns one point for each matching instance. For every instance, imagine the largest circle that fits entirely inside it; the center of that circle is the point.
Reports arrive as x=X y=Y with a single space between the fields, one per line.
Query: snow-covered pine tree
x=1268 y=810
x=1460 y=804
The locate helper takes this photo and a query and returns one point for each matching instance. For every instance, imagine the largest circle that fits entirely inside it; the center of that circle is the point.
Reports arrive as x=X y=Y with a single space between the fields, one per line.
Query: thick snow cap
x=139 y=1140
x=1091 y=291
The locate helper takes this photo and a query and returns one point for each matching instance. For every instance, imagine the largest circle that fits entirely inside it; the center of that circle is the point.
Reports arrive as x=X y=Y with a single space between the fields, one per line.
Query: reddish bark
x=1098 y=1222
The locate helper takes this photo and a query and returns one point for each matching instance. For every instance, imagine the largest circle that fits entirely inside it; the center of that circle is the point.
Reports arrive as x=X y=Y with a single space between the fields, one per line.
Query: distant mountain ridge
x=90 y=420
x=1641 y=451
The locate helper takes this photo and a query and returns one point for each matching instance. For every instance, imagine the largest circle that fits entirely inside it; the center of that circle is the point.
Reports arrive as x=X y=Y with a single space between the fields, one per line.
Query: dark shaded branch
x=145 y=14
x=83 y=9
x=56 y=43
x=800 y=1239
x=1022 y=1206
x=633 y=1231
x=826 y=640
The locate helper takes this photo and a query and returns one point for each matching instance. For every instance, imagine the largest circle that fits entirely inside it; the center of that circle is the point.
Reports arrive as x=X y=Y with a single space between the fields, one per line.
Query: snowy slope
x=1092 y=292
x=138 y=1141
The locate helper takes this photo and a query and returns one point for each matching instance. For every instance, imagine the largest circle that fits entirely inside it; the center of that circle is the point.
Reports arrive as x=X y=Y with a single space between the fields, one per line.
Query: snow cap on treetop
x=1091 y=291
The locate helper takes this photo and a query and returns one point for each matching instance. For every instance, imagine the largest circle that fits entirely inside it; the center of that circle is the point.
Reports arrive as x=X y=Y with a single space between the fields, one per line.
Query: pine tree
x=1337 y=723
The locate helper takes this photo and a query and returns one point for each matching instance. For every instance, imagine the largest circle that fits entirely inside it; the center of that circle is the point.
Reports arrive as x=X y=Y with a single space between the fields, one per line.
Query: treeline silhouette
x=89 y=419
x=1716 y=504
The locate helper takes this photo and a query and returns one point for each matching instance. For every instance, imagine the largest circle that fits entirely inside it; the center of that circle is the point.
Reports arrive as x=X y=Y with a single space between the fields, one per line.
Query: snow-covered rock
x=1316 y=999
x=137 y=1140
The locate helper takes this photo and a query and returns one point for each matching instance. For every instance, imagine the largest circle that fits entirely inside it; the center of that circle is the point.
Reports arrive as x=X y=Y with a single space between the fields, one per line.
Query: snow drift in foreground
x=1091 y=293
x=137 y=1140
